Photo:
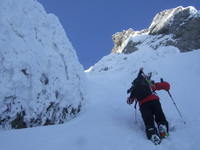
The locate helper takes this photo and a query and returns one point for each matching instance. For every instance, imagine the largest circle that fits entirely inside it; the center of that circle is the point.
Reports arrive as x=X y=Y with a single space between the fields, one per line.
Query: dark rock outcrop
x=177 y=27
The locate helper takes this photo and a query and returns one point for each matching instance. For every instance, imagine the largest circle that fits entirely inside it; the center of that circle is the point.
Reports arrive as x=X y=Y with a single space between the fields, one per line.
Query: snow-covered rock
x=42 y=81
x=177 y=27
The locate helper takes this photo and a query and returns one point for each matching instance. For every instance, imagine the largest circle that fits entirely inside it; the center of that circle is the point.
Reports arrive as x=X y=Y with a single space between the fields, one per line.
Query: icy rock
x=42 y=81
x=178 y=27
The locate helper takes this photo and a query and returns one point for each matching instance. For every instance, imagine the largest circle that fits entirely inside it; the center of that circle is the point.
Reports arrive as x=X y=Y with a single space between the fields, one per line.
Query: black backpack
x=141 y=88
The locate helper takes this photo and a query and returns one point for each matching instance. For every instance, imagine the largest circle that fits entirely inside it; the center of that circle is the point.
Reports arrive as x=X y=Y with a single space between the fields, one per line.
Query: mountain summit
x=178 y=27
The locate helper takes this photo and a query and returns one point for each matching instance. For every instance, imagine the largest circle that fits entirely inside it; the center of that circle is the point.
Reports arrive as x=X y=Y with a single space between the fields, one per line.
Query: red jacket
x=157 y=86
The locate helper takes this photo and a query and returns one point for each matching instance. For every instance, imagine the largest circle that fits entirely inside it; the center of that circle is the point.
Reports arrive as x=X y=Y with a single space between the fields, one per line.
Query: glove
x=129 y=101
x=166 y=86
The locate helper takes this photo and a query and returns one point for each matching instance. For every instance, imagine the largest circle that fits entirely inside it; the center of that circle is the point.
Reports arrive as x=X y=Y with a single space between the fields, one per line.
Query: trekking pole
x=135 y=112
x=174 y=103
x=135 y=116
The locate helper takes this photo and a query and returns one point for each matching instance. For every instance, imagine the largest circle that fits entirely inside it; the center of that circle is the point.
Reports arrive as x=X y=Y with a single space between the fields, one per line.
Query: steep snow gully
x=107 y=122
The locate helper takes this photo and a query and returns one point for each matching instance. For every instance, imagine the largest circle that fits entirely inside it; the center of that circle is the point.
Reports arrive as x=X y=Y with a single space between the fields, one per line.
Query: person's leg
x=160 y=119
x=159 y=114
x=148 y=118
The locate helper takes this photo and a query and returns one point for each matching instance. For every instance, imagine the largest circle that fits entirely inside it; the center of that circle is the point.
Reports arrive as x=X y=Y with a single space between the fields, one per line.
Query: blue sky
x=90 y=24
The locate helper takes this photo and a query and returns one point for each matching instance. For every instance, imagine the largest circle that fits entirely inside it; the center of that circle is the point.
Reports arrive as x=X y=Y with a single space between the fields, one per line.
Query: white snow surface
x=108 y=123
x=38 y=65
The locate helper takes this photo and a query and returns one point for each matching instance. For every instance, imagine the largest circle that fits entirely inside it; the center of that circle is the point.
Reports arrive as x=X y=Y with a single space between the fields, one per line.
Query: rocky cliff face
x=42 y=81
x=178 y=27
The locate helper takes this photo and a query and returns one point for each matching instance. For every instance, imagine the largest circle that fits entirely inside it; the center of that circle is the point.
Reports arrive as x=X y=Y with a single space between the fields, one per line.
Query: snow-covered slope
x=109 y=123
x=42 y=81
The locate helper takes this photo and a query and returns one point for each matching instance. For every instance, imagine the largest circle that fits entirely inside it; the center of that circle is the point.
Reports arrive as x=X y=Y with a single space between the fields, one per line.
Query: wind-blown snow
x=39 y=69
x=109 y=123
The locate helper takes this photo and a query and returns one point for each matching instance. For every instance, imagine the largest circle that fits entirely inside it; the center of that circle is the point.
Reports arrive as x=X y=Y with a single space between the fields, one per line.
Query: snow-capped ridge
x=165 y=17
x=174 y=27
x=120 y=62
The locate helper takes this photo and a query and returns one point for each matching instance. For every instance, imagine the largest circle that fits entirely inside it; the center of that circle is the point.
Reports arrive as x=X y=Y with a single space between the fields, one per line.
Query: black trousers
x=152 y=112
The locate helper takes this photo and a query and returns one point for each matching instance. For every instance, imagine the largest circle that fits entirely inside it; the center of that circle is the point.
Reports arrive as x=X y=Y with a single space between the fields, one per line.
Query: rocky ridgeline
x=178 y=27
